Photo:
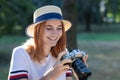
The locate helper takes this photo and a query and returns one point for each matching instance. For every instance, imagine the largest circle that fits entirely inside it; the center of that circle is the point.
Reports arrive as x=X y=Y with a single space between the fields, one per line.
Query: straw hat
x=49 y=12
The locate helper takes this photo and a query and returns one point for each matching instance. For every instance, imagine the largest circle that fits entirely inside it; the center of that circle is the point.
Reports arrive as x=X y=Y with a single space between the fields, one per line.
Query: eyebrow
x=52 y=26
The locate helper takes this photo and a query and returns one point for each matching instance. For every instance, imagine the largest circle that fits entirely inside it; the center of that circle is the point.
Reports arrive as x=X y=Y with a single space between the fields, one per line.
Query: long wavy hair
x=36 y=50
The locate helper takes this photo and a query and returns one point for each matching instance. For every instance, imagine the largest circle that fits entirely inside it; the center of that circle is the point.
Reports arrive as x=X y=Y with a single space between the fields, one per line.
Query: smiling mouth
x=52 y=39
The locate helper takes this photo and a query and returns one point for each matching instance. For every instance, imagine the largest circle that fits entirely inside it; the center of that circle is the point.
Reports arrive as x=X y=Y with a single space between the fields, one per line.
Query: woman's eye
x=48 y=28
x=59 y=28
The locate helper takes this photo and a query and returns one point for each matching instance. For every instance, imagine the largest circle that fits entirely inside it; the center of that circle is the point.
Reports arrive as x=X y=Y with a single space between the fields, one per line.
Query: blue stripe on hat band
x=48 y=16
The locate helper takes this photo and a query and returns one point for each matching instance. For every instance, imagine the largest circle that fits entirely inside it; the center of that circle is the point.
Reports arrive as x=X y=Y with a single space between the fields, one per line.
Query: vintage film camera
x=82 y=71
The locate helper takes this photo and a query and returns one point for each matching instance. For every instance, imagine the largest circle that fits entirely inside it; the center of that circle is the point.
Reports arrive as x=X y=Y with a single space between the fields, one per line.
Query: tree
x=15 y=13
x=70 y=13
x=85 y=13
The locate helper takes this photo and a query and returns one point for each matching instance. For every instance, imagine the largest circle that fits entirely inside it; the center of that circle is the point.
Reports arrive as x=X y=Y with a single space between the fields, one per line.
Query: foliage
x=15 y=13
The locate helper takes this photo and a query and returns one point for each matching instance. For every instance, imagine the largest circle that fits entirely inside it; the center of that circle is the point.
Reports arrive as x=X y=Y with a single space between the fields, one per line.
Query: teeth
x=53 y=39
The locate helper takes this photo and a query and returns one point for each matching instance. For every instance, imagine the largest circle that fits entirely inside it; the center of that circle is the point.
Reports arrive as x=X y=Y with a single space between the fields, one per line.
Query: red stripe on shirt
x=19 y=76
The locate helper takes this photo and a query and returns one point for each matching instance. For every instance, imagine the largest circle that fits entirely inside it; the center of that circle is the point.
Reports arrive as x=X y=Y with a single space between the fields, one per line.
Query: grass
x=99 y=36
x=8 y=42
x=8 y=39
x=103 y=59
x=4 y=71
x=103 y=50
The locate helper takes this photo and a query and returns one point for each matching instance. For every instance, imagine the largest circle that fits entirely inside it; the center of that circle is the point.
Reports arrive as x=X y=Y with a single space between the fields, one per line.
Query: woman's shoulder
x=19 y=50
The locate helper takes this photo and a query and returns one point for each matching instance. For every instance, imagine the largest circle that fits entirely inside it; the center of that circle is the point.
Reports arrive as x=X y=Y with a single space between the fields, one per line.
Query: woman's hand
x=59 y=68
x=85 y=61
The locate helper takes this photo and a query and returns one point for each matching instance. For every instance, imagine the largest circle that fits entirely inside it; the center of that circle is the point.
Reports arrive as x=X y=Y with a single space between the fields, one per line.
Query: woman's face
x=52 y=32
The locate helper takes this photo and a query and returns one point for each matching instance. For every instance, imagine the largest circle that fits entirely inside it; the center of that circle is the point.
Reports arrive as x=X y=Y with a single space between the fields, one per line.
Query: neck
x=47 y=50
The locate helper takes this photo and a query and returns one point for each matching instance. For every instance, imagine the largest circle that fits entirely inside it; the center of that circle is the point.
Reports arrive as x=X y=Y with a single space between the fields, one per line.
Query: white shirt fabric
x=21 y=63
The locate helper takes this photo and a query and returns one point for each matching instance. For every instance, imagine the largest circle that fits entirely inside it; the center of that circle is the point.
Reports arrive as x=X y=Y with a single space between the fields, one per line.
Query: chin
x=53 y=45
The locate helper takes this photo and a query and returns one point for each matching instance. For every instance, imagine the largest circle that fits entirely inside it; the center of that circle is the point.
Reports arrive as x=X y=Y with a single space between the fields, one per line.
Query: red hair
x=36 y=51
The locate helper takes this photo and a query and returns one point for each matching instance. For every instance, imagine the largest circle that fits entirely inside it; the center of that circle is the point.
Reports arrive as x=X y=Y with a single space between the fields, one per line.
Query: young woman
x=39 y=57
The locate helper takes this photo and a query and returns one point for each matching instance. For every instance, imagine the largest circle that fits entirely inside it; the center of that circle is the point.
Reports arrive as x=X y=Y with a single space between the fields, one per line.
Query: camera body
x=78 y=65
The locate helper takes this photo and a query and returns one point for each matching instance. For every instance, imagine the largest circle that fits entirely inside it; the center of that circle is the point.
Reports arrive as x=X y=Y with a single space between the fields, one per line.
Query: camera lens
x=80 y=68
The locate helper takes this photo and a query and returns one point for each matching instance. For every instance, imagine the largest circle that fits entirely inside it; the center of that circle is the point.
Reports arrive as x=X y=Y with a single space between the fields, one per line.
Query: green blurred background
x=95 y=29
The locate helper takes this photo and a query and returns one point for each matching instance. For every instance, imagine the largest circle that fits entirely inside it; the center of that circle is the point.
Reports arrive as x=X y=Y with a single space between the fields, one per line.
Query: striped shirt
x=22 y=66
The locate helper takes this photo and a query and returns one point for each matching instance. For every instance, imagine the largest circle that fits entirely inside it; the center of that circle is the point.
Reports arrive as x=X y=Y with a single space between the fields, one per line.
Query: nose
x=55 y=32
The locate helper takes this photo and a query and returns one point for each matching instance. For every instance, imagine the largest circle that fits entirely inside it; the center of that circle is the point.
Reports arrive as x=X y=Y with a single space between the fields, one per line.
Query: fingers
x=75 y=75
x=64 y=64
x=60 y=68
x=65 y=67
x=85 y=58
x=61 y=54
x=66 y=61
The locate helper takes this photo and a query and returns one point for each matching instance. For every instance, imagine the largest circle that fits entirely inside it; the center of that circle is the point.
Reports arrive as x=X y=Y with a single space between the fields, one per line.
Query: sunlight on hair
x=28 y=42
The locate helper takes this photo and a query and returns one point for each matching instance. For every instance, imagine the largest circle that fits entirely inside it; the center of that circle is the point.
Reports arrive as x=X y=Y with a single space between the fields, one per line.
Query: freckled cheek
x=60 y=34
x=46 y=33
